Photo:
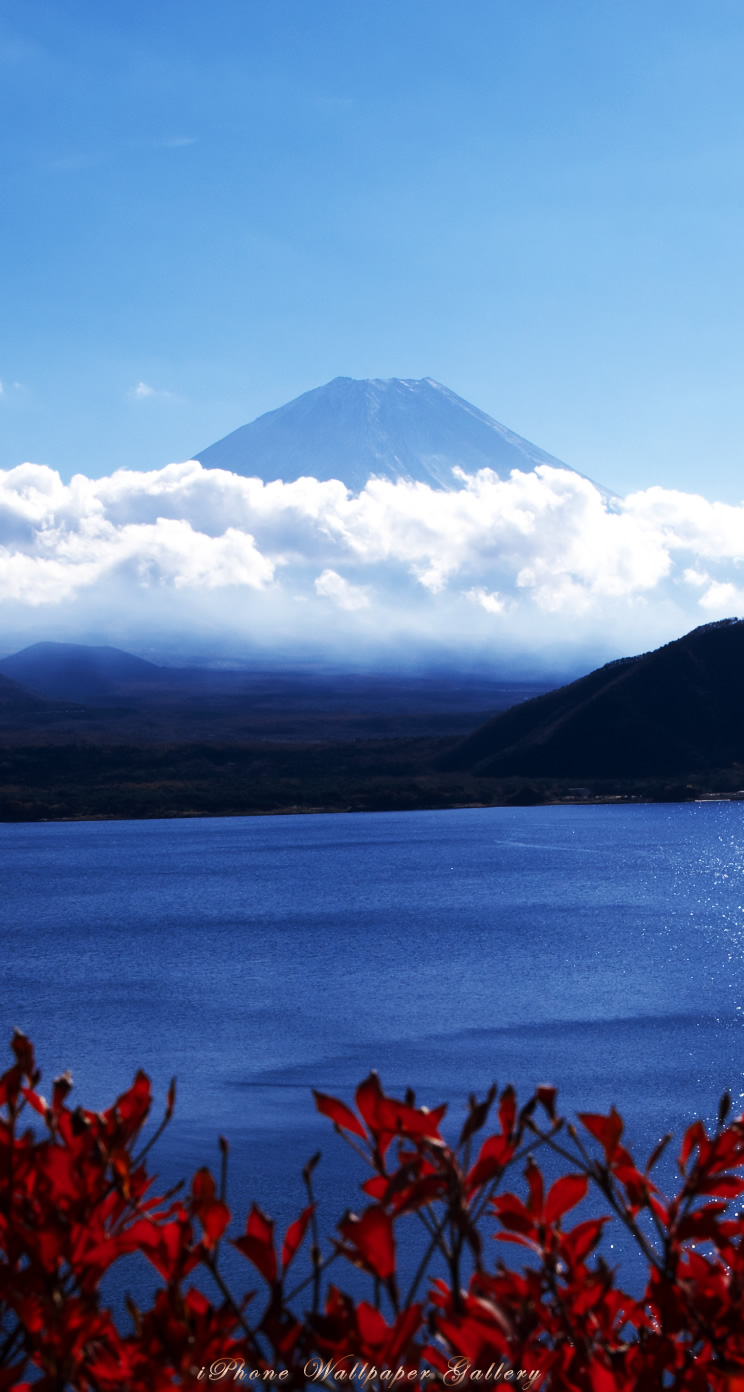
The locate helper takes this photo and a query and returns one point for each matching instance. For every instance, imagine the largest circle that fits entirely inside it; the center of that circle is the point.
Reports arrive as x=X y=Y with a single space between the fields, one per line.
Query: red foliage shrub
x=76 y=1197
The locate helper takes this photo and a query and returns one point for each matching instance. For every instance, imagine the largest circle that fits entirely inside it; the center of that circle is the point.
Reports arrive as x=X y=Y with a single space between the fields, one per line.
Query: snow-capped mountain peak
x=392 y=428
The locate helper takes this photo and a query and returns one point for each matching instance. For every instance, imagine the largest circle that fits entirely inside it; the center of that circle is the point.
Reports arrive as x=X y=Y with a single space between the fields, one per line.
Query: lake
x=599 y=948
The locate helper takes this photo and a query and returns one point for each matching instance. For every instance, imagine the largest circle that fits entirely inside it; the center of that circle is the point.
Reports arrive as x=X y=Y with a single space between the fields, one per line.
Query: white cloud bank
x=538 y=557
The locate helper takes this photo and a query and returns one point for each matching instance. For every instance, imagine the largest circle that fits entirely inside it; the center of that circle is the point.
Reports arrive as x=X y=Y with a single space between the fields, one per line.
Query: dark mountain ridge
x=677 y=709
x=76 y=671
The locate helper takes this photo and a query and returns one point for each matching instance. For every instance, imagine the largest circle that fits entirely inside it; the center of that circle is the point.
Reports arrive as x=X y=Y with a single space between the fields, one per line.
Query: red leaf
x=372 y=1237
x=405 y=1327
x=702 y=1225
x=564 y=1194
x=513 y=1214
x=535 y=1181
x=371 y=1324
x=134 y=1104
x=477 y=1115
x=495 y=1153
x=581 y=1240
x=694 y=1136
x=602 y=1380
x=413 y=1122
x=369 y=1096
x=727 y=1186
x=203 y=1189
x=167 y=1247
x=339 y=1113
x=547 y=1096
x=606 y=1129
x=35 y=1101
x=376 y=1187
x=658 y=1151
x=214 y=1218
x=61 y=1088
x=24 y=1052
x=257 y=1243
x=294 y=1235
x=508 y=1110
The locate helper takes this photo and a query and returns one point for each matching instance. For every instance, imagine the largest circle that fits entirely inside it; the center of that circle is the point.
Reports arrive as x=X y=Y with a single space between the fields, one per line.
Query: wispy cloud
x=144 y=392
x=16 y=50
x=72 y=164
x=11 y=389
x=175 y=142
x=79 y=160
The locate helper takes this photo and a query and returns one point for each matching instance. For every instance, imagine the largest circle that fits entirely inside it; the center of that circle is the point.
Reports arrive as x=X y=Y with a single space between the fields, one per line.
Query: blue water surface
x=599 y=948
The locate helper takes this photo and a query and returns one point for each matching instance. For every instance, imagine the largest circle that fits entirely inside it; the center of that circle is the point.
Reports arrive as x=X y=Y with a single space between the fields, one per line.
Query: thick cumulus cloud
x=538 y=553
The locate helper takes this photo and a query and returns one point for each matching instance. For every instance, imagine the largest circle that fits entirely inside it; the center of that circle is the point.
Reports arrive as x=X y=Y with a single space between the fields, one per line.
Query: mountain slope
x=74 y=671
x=675 y=710
x=395 y=429
x=15 y=699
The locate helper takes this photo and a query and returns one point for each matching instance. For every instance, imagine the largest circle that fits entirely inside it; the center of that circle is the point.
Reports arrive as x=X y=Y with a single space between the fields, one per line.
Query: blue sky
x=209 y=209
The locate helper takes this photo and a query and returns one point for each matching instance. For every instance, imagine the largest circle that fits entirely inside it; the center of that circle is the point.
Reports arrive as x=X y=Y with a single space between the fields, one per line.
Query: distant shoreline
x=65 y=784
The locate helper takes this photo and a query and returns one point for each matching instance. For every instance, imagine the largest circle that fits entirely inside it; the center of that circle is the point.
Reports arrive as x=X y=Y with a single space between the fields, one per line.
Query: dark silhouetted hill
x=678 y=709
x=74 y=671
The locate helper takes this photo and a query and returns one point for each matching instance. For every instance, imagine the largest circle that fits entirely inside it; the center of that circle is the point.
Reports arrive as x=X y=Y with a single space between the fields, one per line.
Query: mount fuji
x=394 y=428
